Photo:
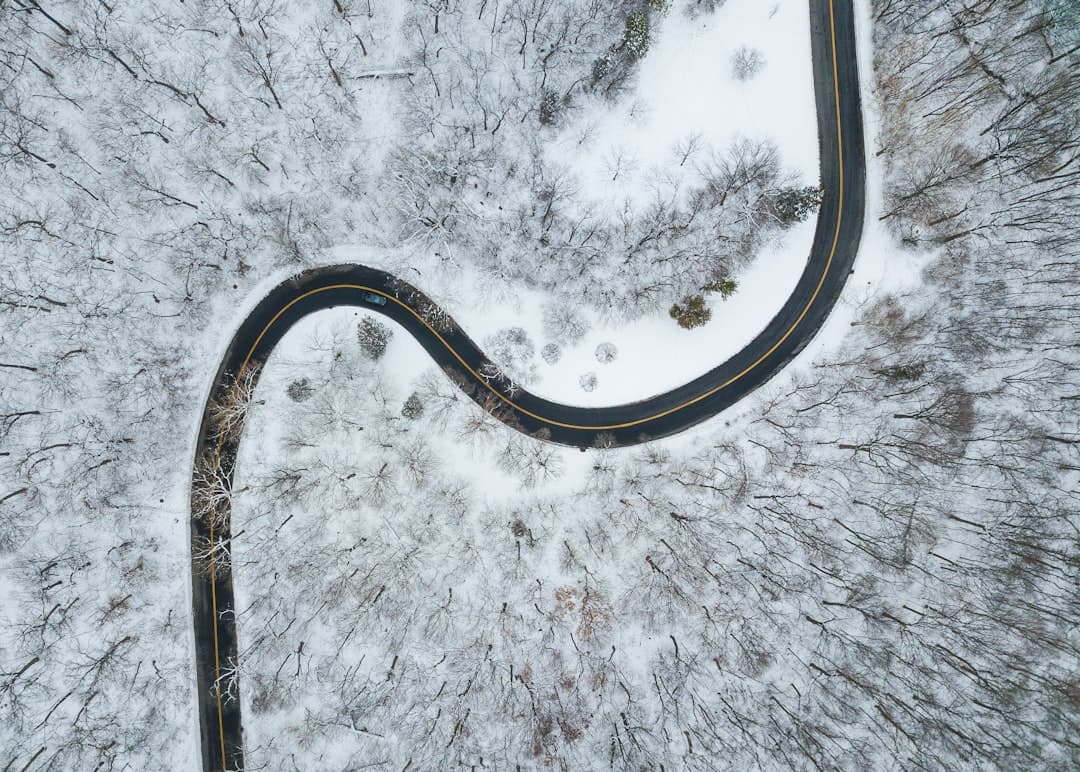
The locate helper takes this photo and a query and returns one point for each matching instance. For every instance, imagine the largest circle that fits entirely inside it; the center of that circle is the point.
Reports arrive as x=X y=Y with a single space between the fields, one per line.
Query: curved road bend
x=836 y=240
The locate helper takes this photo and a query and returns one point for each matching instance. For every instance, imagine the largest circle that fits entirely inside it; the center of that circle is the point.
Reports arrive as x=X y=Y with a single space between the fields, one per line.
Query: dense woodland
x=874 y=563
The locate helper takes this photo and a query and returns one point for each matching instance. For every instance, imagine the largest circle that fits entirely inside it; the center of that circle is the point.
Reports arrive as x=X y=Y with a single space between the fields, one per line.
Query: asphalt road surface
x=836 y=241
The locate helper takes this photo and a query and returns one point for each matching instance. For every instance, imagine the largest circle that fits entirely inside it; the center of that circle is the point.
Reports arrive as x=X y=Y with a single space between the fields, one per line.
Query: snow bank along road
x=836 y=241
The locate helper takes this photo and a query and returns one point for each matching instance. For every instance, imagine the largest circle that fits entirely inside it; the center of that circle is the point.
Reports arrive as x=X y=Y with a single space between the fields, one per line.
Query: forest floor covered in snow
x=871 y=561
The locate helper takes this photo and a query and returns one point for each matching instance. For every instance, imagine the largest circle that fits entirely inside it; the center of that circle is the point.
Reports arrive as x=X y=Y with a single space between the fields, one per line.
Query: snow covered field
x=686 y=93
x=684 y=106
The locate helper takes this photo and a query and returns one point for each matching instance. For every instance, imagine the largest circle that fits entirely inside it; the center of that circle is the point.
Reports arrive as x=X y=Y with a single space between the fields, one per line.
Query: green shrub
x=373 y=337
x=602 y=67
x=413 y=407
x=636 y=38
x=726 y=287
x=691 y=312
x=795 y=204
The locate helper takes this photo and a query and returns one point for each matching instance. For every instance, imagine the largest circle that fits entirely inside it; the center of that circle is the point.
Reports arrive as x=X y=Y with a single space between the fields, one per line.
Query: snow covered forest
x=871 y=563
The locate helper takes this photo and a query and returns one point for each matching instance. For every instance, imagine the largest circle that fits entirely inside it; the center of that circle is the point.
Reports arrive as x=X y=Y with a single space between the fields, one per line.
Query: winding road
x=836 y=241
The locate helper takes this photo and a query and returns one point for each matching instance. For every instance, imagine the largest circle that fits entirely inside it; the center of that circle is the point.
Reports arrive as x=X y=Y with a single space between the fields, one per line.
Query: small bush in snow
x=564 y=324
x=413 y=407
x=726 y=287
x=300 y=391
x=588 y=382
x=374 y=336
x=636 y=38
x=795 y=204
x=606 y=352
x=602 y=67
x=551 y=353
x=549 y=108
x=691 y=312
x=746 y=63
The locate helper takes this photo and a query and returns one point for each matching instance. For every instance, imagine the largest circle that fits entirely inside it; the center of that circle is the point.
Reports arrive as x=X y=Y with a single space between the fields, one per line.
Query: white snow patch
x=685 y=88
x=655 y=355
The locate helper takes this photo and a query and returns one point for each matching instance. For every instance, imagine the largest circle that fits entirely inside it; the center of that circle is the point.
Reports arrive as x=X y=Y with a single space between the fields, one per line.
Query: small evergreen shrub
x=691 y=312
x=636 y=38
x=795 y=204
x=549 y=108
x=413 y=407
x=726 y=287
x=374 y=336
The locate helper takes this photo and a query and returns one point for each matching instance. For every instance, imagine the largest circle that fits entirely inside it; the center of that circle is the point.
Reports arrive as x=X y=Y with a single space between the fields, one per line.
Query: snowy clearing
x=686 y=92
x=685 y=101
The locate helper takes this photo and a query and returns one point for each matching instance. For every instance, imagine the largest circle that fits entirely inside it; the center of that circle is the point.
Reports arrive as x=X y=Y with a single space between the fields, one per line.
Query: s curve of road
x=836 y=241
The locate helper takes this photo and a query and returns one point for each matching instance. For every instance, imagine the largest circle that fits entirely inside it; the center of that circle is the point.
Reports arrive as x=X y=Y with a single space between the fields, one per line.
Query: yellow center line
x=542 y=419
x=605 y=427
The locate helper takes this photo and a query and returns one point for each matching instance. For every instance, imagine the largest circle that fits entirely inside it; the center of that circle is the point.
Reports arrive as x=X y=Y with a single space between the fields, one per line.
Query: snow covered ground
x=568 y=573
x=903 y=494
x=685 y=91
